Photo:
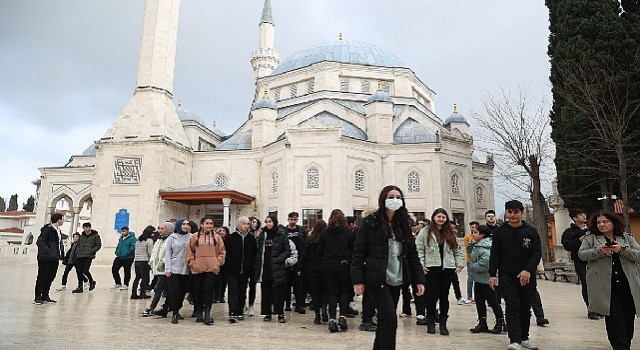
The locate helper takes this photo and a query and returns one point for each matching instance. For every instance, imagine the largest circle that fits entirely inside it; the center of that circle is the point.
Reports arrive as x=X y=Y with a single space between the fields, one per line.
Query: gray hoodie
x=174 y=260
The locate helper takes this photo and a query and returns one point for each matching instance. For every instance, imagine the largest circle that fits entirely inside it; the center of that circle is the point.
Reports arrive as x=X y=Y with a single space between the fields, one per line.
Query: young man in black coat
x=571 y=241
x=50 y=252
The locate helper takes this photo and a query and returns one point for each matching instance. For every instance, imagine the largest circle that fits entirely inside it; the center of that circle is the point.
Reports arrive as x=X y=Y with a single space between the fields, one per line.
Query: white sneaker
x=124 y=287
x=117 y=286
x=61 y=289
x=528 y=344
x=404 y=315
x=86 y=285
x=514 y=346
x=463 y=301
x=250 y=311
x=246 y=308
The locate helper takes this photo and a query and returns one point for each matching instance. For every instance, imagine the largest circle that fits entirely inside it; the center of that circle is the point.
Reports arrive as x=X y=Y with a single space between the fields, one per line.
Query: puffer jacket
x=205 y=253
x=49 y=244
x=157 y=256
x=479 y=265
x=88 y=245
x=280 y=251
x=430 y=254
x=371 y=254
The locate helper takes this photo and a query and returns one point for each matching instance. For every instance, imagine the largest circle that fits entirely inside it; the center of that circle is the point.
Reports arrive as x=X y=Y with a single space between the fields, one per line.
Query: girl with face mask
x=385 y=258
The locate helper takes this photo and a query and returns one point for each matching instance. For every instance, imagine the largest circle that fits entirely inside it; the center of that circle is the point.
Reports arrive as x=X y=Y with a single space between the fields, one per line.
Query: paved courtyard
x=107 y=319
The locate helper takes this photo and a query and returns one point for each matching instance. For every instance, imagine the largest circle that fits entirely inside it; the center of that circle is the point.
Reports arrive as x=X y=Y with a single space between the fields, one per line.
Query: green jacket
x=88 y=245
x=430 y=254
x=479 y=265
x=126 y=248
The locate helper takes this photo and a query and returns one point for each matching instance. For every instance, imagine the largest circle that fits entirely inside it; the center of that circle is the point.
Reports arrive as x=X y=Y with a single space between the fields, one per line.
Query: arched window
x=479 y=194
x=313 y=178
x=455 y=184
x=274 y=182
x=221 y=180
x=413 y=182
x=359 y=180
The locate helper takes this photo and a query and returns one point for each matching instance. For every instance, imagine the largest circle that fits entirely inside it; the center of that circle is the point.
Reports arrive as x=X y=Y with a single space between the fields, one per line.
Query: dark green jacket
x=88 y=245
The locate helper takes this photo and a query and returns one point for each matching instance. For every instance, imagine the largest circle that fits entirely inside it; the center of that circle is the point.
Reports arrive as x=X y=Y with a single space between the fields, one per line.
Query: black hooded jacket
x=571 y=240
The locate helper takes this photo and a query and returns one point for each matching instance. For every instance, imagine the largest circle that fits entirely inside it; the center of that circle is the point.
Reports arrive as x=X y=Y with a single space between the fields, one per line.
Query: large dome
x=355 y=52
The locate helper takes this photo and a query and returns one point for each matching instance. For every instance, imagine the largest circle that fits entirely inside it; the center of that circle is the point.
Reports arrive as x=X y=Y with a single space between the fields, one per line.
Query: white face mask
x=393 y=204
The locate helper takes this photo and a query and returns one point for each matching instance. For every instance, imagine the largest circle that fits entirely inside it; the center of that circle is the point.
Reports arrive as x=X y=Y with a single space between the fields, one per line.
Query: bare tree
x=517 y=132
x=608 y=100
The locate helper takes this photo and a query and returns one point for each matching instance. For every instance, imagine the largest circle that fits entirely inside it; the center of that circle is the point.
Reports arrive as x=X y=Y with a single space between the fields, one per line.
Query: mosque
x=329 y=127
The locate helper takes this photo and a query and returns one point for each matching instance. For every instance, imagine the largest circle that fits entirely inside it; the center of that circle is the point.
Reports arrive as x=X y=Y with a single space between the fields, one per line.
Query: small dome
x=90 y=151
x=237 y=141
x=344 y=51
x=264 y=103
x=186 y=115
x=455 y=117
x=379 y=96
x=348 y=129
x=410 y=131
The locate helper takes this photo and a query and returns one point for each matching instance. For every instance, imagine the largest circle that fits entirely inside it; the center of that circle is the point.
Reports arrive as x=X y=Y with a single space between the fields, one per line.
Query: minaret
x=265 y=59
x=151 y=112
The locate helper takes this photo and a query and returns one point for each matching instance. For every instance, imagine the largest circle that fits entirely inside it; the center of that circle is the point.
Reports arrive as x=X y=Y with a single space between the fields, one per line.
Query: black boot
x=208 y=320
x=174 y=318
x=497 y=329
x=481 y=327
x=431 y=324
x=443 y=325
x=316 y=320
x=325 y=315
x=198 y=313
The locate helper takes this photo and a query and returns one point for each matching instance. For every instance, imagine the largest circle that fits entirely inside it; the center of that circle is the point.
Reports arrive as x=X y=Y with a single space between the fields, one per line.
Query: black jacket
x=241 y=253
x=88 y=245
x=571 y=240
x=336 y=245
x=70 y=256
x=515 y=249
x=310 y=259
x=280 y=251
x=371 y=253
x=49 y=247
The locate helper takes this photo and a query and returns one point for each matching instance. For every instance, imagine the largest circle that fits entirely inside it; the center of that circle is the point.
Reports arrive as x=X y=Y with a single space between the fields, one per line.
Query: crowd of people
x=388 y=255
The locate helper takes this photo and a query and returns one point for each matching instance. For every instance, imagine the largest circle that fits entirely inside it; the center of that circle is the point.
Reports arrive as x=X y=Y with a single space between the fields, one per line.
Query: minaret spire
x=151 y=111
x=265 y=59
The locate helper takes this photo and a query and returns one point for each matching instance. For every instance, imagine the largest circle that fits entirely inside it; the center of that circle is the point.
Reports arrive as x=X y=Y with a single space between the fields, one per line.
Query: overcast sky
x=68 y=67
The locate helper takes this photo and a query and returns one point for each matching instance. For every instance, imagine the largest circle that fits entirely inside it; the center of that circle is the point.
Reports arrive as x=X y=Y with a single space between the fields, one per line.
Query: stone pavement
x=107 y=319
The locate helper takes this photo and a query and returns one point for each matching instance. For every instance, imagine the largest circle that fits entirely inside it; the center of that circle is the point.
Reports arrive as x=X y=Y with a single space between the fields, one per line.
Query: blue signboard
x=122 y=219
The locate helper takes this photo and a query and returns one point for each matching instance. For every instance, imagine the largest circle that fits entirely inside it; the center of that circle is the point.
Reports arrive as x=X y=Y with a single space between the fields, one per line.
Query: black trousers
x=368 y=307
x=65 y=275
x=203 y=289
x=536 y=305
x=455 y=282
x=272 y=301
x=581 y=271
x=178 y=286
x=47 y=271
x=318 y=289
x=483 y=293
x=237 y=285
x=437 y=289
x=336 y=277
x=220 y=287
x=142 y=274
x=420 y=303
x=82 y=269
x=160 y=287
x=296 y=283
x=386 y=301
x=406 y=299
x=622 y=313
x=518 y=305
x=252 y=289
x=115 y=270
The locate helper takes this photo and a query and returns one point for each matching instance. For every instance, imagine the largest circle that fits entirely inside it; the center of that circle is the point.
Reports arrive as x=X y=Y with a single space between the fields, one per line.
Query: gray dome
x=455 y=117
x=238 y=141
x=186 y=115
x=264 y=103
x=348 y=128
x=90 y=151
x=379 y=96
x=410 y=131
x=344 y=51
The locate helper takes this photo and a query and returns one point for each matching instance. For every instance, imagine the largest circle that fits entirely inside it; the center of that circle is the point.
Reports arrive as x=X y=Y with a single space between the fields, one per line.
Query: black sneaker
x=342 y=323
x=267 y=318
x=240 y=318
x=147 y=313
x=232 y=319
x=541 y=321
x=38 y=301
x=282 y=319
x=92 y=285
x=333 y=326
x=49 y=300
x=77 y=290
x=368 y=327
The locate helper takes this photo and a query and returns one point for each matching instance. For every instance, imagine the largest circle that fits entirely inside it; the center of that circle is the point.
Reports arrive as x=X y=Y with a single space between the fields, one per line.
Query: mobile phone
x=610 y=244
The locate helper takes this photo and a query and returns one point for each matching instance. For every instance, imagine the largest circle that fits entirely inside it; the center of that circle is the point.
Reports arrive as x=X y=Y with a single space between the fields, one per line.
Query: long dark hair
x=401 y=221
x=275 y=224
x=146 y=233
x=316 y=231
x=445 y=233
x=618 y=224
x=337 y=219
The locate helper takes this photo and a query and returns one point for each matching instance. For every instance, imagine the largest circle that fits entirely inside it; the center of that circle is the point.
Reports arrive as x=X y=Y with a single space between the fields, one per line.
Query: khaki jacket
x=599 y=270
x=430 y=254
